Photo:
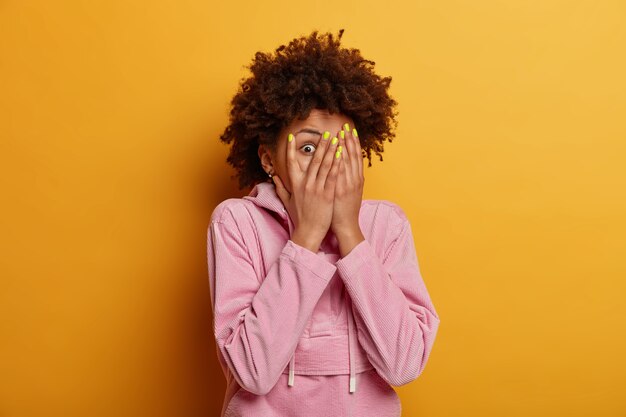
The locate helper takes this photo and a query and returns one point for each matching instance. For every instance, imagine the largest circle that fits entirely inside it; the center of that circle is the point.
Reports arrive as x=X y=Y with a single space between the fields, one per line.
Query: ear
x=266 y=158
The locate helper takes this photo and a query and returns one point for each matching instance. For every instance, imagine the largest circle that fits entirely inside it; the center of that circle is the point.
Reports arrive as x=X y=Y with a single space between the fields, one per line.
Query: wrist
x=349 y=232
x=348 y=240
x=307 y=240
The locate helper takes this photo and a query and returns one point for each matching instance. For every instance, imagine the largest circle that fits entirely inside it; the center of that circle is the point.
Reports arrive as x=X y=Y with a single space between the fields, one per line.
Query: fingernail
x=354 y=132
x=337 y=154
x=334 y=141
x=342 y=134
x=346 y=127
x=290 y=137
x=339 y=148
x=326 y=134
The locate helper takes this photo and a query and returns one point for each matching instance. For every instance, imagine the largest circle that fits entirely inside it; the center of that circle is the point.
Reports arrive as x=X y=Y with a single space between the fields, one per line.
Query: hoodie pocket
x=324 y=316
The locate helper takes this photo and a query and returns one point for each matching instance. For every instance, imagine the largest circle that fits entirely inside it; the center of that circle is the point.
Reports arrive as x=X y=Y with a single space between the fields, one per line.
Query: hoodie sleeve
x=258 y=320
x=395 y=319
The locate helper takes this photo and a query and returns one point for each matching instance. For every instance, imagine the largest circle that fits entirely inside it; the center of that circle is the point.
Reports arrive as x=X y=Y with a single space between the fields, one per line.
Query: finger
x=318 y=156
x=282 y=192
x=353 y=165
x=359 y=152
x=292 y=166
x=329 y=146
x=347 y=147
x=344 y=173
x=331 y=178
x=342 y=177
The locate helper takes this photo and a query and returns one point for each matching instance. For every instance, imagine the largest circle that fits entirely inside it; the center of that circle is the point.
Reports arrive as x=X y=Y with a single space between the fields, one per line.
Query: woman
x=318 y=302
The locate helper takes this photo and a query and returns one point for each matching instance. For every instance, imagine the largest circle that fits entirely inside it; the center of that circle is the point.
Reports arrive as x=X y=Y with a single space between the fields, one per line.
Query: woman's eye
x=306 y=148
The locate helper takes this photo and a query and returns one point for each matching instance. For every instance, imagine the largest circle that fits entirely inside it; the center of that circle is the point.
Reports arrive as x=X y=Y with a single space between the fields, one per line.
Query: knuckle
x=322 y=145
x=317 y=158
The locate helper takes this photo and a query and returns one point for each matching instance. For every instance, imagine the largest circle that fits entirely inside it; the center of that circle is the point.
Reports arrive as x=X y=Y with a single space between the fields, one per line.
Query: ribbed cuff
x=355 y=259
x=315 y=263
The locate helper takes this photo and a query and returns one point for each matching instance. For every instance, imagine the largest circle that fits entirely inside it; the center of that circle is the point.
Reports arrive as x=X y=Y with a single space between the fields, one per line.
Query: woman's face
x=308 y=133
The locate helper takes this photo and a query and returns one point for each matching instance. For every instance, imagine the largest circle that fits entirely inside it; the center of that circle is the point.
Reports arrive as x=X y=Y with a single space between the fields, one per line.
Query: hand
x=349 y=189
x=310 y=204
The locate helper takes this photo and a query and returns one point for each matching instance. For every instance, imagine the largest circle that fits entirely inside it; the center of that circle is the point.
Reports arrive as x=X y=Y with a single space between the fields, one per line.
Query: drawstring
x=290 y=383
x=351 y=345
x=352 y=342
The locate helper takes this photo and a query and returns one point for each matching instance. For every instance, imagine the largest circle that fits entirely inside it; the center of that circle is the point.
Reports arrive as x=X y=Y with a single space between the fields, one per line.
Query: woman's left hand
x=349 y=187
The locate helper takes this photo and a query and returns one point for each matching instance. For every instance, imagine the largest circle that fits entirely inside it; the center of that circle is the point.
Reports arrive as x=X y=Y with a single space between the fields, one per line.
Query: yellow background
x=509 y=160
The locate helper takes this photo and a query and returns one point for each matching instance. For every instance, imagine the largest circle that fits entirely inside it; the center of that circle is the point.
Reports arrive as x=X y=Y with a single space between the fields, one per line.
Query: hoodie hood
x=264 y=195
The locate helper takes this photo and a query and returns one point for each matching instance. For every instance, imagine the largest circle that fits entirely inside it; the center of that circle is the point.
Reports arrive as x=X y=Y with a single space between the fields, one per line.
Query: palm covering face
x=349 y=188
x=327 y=194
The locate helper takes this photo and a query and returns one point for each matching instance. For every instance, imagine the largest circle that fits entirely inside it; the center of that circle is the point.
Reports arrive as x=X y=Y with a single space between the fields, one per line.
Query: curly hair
x=310 y=72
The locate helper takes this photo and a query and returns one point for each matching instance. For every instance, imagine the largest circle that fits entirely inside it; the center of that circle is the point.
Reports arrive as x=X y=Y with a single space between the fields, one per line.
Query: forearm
x=257 y=327
x=395 y=319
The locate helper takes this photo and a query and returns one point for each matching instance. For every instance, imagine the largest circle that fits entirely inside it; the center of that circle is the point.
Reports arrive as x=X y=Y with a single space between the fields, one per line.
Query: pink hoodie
x=365 y=320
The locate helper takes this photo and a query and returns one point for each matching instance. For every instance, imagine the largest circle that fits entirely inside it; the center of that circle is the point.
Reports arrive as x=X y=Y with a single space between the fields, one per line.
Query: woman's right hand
x=310 y=204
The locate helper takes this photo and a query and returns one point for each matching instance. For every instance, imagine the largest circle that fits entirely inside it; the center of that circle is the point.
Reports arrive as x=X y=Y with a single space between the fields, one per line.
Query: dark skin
x=321 y=192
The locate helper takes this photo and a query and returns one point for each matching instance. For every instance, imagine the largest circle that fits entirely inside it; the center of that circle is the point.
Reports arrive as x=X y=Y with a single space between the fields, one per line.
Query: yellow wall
x=509 y=160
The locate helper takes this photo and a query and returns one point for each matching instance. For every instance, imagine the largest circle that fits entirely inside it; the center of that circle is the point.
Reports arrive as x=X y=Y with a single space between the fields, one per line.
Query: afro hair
x=312 y=72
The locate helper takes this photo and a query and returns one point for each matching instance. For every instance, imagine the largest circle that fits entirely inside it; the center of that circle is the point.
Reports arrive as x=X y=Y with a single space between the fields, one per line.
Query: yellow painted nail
x=337 y=154
x=326 y=134
x=354 y=132
x=342 y=134
x=334 y=141
x=339 y=148
x=346 y=127
x=291 y=137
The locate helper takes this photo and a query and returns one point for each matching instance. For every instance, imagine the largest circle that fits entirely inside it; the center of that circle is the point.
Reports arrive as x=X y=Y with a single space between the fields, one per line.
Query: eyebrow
x=307 y=130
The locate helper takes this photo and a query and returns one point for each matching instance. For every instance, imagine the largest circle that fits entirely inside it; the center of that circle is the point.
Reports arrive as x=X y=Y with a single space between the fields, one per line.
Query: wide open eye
x=308 y=141
x=309 y=148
